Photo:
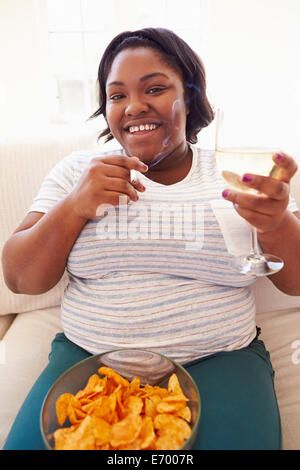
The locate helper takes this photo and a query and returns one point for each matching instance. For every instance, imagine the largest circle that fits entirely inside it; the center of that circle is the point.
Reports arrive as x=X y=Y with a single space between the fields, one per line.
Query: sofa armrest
x=269 y=299
x=5 y=322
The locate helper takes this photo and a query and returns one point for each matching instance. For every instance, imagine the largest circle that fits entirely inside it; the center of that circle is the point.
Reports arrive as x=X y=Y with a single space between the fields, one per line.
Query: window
x=78 y=31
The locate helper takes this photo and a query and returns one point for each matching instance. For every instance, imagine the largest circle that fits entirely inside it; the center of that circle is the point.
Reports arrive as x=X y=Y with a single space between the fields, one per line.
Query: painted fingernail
x=225 y=193
x=143 y=188
x=246 y=178
x=280 y=157
x=144 y=166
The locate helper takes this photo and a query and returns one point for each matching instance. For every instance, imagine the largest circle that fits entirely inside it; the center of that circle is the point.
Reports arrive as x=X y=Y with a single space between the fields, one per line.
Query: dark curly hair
x=177 y=54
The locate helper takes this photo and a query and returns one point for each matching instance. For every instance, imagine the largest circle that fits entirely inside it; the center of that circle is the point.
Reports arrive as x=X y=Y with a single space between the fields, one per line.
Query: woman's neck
x=173 y=168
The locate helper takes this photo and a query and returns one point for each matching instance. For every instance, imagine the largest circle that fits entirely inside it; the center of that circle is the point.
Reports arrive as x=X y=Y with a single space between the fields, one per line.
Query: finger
x=116 y=171
x=134 y=179
x=254 y=203
x=288 y=166
x=114 y=199
x=138 y=185
x=262 y=222
x=121 y=185
x=131 y=163
x=273 y=188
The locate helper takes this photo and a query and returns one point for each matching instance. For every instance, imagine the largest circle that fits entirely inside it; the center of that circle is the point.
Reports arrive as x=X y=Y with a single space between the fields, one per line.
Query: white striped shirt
x=137 y=282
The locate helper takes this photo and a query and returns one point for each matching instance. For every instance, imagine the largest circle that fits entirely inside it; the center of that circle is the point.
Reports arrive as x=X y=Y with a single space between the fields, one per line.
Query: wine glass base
x=262 y=265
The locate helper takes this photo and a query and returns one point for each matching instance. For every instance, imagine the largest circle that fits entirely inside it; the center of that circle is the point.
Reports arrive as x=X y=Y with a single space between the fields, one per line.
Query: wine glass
x=233 y=161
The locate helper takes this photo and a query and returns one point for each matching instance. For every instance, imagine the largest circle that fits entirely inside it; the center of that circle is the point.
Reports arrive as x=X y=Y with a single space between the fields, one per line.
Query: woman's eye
x=115 y=97
x=153 y=90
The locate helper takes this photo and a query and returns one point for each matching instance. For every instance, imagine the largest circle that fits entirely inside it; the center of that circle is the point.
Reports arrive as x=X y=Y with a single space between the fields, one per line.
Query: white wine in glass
x=233 y=163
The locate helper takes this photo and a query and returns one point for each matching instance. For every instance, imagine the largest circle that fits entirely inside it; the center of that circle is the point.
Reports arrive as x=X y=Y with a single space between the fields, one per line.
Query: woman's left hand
x=265 y=210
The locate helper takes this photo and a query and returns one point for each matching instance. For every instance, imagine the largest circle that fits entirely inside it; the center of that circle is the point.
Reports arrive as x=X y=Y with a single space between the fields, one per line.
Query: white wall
x=24 y=79
x=250 y=51
x=252 y=59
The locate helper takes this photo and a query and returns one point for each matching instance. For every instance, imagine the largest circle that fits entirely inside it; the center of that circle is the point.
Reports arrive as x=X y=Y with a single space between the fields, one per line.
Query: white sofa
x=29 y=323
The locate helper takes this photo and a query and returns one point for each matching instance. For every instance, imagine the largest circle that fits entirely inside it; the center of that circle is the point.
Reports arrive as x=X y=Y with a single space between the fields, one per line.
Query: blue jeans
x=239 y=407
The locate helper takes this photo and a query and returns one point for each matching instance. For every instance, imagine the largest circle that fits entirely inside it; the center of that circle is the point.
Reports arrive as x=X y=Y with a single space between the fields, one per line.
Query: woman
x=152 y=288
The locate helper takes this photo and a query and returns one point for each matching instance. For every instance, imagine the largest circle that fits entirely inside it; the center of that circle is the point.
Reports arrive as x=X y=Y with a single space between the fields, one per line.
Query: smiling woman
x=155 y=292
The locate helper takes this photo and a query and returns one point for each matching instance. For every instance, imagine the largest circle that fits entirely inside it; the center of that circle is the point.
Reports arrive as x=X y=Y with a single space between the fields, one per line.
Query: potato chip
x=167 y=407
x=135 y=385
x=95 y=385
x=74 y=411
x=154 y=390
x=147 y=434
x=134 y=405
x=126 y=430
x=80 y=438
x=150 y=408
x=64 y=439
x=102 y=431
x=113 y=375
x=174 y=386
x=177 y=397
x=168 y=441
x=170 y=421
x=62 y=404
x=112 y=413
x=185 y=413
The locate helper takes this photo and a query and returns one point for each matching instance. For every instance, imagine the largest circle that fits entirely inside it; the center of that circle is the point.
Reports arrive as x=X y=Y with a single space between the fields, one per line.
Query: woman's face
x=145 y=107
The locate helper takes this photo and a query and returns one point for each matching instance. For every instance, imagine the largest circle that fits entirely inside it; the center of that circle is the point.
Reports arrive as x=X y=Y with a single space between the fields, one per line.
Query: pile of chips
x=112 y=413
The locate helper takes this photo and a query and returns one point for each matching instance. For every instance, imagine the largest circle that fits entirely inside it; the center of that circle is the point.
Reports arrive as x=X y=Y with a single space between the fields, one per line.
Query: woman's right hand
x=102 y=184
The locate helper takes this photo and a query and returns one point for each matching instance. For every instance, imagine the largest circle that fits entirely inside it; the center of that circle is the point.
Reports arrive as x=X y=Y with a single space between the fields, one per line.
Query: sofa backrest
x=24 y=164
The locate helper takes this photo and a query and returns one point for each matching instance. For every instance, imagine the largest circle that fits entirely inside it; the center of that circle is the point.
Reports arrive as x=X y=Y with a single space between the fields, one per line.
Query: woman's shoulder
x=79 y=159
x=204 y=158
x=203 y=152
x=84 y=156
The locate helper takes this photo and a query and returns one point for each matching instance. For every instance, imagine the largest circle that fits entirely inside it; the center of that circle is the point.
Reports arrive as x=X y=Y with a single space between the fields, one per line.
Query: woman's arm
x=285 y=243
x=35 y=256
x=278 y=229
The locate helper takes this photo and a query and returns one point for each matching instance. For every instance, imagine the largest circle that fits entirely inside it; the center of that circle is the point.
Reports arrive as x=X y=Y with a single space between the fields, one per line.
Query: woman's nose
x=135 y=107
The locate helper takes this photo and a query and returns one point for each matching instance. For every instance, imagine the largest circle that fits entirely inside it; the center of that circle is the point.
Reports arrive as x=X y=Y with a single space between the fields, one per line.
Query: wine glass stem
x=255 y=252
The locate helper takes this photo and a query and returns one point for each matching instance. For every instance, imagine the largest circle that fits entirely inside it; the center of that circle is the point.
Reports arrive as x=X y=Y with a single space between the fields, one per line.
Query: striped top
x=154 y=274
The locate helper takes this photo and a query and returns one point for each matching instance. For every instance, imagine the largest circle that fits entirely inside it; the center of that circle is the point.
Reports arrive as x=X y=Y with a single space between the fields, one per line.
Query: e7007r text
x=171 y=459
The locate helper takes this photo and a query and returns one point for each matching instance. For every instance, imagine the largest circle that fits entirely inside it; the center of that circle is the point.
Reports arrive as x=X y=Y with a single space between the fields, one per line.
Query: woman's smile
x=145 y=128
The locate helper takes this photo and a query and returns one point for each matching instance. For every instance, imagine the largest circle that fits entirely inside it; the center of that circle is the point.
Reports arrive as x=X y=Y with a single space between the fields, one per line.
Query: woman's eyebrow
x=142 y=79
x=151 y=75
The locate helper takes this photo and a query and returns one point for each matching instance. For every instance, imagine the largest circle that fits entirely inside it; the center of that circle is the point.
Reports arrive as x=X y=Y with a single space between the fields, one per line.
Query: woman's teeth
x=143 y=127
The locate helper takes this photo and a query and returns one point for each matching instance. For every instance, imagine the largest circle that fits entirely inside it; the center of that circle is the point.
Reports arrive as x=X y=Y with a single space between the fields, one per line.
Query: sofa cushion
x=281 y=335
x=268 y=298
x=27 y=344
x=5 y=322
x=24 y=164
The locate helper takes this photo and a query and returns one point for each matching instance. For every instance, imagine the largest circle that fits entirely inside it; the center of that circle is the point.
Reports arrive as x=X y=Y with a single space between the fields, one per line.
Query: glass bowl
x=151 y=367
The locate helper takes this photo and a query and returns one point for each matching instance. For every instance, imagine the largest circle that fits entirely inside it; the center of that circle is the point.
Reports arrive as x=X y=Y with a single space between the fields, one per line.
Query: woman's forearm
x=285 y=243
x=34 y=259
